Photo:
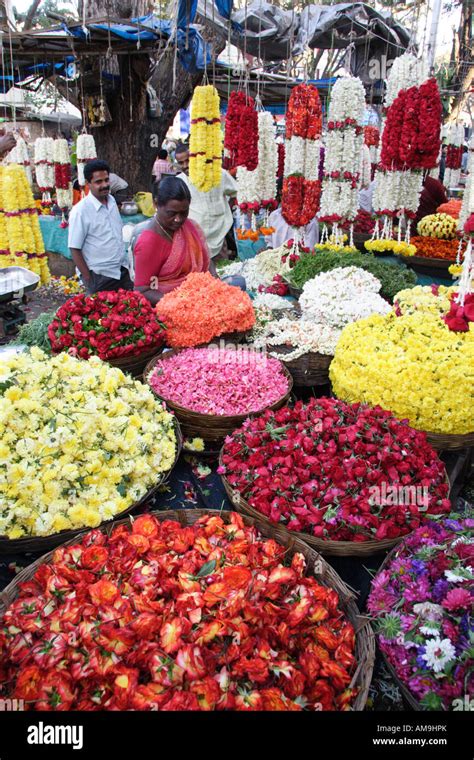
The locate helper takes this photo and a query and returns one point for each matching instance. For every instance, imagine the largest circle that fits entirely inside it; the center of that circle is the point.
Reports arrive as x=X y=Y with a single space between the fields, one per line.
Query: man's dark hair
x=97 y=165
x=170 y=189
x=163 y=154
x=181 y=148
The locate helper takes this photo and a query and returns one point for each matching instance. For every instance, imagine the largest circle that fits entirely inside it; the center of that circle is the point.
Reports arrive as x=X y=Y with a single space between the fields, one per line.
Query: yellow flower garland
x=21 y=241
x=205 y=156
x=413 y=366
x=385 y=246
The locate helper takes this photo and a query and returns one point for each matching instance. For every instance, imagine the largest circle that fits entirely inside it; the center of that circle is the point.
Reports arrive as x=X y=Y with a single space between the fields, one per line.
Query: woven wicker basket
x=324 y=546
x=210 y=427
x=406 y=693
x=360 y=238
x=294 y=291
x=45 y=543
x=134 y=365
x=326 y=576
x=425 y=265
x=445 y=441
x=308 y=370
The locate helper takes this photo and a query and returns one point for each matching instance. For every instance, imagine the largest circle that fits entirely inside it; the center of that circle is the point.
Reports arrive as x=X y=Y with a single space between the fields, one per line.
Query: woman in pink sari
x=171 y=246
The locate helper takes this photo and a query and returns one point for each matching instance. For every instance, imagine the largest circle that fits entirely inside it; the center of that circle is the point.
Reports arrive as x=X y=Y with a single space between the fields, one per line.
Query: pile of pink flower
x=220 y=381
x=422 y=604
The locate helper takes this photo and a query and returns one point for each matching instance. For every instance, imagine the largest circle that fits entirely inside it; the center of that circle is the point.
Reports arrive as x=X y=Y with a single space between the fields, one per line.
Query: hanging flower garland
x=344 y=143
x=301 y=186
x=257 y=188
x=467 y=207
x=21 y=241
x=86 y=151
x=19 y=155
x=372 y=140
x=44 y=166
x=410 y=145
x=241 y=132
x=232 y=124
x=62 y=174
x=454 y=153
x=406 y=71
x=205 y=157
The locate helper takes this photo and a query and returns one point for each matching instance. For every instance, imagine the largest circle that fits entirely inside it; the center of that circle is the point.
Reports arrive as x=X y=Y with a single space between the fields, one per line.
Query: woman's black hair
x=170 y=189
x=97 y=165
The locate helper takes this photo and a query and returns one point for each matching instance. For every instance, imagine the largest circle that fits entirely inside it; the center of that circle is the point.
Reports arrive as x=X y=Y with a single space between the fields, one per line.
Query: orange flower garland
x=203 y=308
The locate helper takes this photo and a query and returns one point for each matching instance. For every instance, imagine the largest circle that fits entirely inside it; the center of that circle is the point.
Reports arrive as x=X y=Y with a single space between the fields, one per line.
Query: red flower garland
x=390 y=155
x=241 y=132
x=430 y=111
x=454 y=156
x=301 y=197
x=371 y=136
x=62 y=176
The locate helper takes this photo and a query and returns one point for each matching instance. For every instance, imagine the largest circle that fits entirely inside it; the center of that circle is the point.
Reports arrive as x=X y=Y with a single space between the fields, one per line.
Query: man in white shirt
x=210 y=210
x=95 y=235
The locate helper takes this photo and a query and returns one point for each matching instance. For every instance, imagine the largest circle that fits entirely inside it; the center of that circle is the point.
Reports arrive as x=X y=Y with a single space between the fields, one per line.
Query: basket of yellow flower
x=85 y=444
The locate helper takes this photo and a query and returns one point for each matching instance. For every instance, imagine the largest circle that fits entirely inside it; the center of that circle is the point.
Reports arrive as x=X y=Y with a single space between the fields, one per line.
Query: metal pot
x=129 y=208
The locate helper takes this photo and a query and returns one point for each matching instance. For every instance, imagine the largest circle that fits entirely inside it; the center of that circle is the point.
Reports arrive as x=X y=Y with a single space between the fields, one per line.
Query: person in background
x=211 y=211
x=162 y=165
x=465 y=158
x=366 y=195
x=284 y=232
x=171 y=246
x=7 y=143
x=442 y=161
x=95 y=234
x=118 y=188
x=432 y=195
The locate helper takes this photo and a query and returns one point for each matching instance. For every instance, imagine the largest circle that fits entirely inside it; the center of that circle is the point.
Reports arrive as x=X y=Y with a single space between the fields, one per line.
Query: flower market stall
x=251 y=500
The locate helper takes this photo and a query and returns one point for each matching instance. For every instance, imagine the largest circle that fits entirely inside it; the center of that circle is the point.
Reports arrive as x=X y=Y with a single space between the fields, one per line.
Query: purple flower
x=440 y=589
x=419 y=566
x=453 y=524
x=420 y=661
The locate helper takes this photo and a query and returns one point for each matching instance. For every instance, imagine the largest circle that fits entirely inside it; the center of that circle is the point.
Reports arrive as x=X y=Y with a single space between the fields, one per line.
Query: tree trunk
x=30 y=16
x=130 y=142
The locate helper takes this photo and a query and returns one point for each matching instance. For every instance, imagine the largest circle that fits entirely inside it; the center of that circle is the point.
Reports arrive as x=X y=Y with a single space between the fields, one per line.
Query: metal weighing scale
x=15 y=283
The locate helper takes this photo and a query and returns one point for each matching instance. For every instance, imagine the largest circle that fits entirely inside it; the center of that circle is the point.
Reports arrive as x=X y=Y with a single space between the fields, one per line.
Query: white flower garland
x=271 y=301
x=267 y=157
x=365 y=166
x=19 y=155
x=467 y=207
x=344 y=145
x=61 y=152
x=64 y=198
x=44 y=165
x=455 y=137
x=306 y=337
x=247 y=186
x=86 y=151
x=406 y=71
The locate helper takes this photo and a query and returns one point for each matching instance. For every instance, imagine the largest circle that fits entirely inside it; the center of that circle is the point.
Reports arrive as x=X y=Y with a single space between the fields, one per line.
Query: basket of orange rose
x=247 y=620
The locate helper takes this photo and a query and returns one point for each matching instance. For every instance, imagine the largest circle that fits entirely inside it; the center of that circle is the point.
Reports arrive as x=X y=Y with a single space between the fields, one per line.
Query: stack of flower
x=80 y=442
x=301 y=186
x=203 y=308
x=20 y=155
x=460 y=316
x=344 y=142
x=384 y=245
x=430 y=299
x=433 y=367
x=326 y=468
x=271 y=301
x=452 y=208
x=343 y=295
x=44 y=166
x=257 y=188
x=455 y=140
x=205 y=161
x=435 y=248
x=303 y=337
x=392 y=279
x=219 y=381
x=161 y=617
x=372 y=140
x=440 y=226
x=364 y=223
x=110 y=325
x=21 y=242
x=260 y=271
x=62 y=174
x=422 y=606
x=85 y=152
x=410 y=145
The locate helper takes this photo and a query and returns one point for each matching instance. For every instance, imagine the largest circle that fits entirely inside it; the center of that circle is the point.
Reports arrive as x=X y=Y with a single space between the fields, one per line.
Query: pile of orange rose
x=203 y=308
x=434 y=248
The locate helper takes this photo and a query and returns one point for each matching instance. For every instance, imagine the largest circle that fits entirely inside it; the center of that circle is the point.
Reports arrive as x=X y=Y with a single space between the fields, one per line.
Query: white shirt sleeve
x=77 y=232
x=229 y=185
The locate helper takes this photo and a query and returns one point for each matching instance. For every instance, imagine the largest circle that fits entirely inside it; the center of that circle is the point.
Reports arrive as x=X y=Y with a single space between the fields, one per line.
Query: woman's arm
x=153 y=296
